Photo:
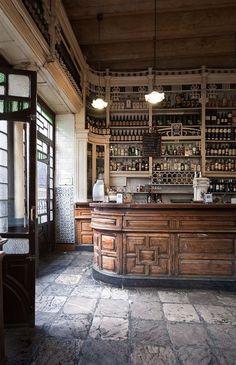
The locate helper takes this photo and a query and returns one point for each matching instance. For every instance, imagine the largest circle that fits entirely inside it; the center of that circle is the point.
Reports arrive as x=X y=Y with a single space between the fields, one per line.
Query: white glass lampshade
x=154 y=97
x=99 y=103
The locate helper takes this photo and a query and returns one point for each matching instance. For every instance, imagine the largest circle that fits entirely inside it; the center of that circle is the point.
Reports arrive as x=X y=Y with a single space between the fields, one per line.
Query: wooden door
x=17 y=193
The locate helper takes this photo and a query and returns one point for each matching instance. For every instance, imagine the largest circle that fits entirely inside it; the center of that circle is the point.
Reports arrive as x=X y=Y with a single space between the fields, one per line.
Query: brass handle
x=32 y=214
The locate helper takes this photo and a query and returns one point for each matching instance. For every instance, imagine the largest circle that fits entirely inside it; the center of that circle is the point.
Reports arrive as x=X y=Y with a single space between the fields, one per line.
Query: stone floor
x=80 y=321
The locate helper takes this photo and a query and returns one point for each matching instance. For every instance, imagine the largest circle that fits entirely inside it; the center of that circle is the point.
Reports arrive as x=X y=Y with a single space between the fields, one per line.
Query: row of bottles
x=129 y=120
x=176 y=165
x=184 y=149
x=166 y=120
x=226 y=165
x=180 y=100
x=125 y=150
x=220 y=134
x=128 y=104
x=129 y=165
x=220 y=149
x=222 y=100
x=97 y=126
x=219 y=117
x=127 y=134
x=222 y=186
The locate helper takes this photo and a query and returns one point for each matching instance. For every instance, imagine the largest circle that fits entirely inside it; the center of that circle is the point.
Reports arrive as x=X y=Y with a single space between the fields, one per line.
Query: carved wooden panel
x=147 y=254
x=206 y=254
x=96 y=254
x=208 y=223
x=107 y=251
x=83 y=212
x=83 y=231
x=138 y=223
x=108 y=242
x=106 y=221
x=18 y=290
x=109 y=263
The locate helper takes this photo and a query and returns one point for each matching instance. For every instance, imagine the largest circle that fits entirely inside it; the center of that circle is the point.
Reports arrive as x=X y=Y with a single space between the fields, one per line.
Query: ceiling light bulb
x=99 y=103
x=154 y=97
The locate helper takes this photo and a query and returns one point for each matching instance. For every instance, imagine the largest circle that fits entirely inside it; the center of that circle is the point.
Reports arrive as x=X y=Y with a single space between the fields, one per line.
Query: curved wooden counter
x=183 y=245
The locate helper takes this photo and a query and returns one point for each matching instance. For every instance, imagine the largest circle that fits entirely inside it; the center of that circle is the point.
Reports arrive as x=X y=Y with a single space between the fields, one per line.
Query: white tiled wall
x=65 y=177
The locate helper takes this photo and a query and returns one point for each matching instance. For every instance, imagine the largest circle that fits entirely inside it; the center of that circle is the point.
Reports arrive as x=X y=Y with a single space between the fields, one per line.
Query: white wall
x=65 y=150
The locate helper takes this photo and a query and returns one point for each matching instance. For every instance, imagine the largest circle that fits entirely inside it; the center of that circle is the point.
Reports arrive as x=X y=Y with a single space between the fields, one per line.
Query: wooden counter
x=182 y=245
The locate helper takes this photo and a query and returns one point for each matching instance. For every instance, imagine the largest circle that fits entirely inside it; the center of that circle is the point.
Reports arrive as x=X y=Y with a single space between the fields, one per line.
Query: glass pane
x=3 y=209
x=19 y=85
x=3 y=126
x=25 y=105
x=3 y=157
x=51 y=216
x=3 y=174
x=44 y=218
x=2 y=77
x=2 y=90
x=3 y=225
x=3 y=141
x=3 y=191
x=13 y=177
x=14 y=107
x=42 y=187
x=1 y=106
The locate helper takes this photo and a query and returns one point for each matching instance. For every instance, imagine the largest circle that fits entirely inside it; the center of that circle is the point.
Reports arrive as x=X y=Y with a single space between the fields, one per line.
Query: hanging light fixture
x=99 y=103
x=155 y=96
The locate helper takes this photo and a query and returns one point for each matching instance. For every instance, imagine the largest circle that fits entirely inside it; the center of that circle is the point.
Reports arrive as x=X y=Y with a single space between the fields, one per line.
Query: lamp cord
x=155 y=42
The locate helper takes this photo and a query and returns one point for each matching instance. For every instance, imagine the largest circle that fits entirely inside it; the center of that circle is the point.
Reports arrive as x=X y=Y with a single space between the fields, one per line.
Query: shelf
x=220 y=125
x=129 y=127
x=183 y=126
x=129 y=110
x=179 y=156
x=221 y=157
x=146 y=174
x=181 y=138
x=172 y=184
x=137 y=157
x=221 y=108
x=126 y=142
x=174 y=111
x=174 y=171
x=224 y=192
x=227 y=174
x=218 y=141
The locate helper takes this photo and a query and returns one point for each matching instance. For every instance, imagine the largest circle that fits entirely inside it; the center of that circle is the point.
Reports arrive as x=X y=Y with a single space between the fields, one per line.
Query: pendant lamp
x=155 y=96
x=99 y=103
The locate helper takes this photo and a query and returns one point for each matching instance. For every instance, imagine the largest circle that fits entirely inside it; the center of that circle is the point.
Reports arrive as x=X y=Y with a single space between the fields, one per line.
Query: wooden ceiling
x=190 y=33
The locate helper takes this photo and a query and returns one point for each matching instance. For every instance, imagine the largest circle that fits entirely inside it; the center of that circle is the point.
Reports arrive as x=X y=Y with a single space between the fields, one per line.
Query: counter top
x=162 y=206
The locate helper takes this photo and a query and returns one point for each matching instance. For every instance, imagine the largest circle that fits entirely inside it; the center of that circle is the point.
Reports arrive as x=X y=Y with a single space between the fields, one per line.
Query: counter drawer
x=106 y=221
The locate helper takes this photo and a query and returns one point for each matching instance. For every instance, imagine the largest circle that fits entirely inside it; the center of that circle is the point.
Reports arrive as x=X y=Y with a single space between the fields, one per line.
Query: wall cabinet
x=97 y=157
x=197 y=124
